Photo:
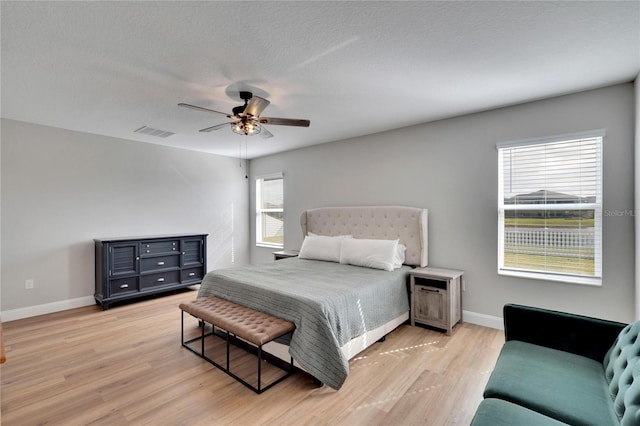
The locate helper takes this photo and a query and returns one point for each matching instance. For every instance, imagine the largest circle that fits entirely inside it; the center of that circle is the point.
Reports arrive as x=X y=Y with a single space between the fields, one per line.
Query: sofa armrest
x=577 y=334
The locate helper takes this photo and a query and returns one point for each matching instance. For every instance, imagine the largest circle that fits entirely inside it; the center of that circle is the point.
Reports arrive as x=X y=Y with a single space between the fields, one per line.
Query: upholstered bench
x=236 y=321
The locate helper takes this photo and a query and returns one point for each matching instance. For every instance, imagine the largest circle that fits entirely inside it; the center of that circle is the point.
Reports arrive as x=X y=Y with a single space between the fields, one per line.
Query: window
x=550 y=208
x=270 y=211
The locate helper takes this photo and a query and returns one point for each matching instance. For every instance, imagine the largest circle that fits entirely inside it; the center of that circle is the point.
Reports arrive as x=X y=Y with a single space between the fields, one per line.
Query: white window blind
x=270 y=210
x=550 y=208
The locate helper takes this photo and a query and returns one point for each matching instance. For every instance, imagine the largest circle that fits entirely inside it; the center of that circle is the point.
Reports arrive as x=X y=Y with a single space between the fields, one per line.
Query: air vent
x=153 y=132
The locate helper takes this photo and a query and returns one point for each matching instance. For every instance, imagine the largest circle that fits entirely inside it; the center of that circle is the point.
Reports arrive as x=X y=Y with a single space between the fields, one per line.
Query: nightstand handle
x=432 y=290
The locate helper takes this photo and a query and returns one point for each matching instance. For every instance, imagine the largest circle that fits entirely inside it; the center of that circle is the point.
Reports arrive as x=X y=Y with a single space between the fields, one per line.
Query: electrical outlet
x=28 y=284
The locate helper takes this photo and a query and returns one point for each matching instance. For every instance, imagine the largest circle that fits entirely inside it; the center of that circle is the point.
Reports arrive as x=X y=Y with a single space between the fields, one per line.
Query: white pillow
x=377 y=254
x=321 y=247
x=398 y=260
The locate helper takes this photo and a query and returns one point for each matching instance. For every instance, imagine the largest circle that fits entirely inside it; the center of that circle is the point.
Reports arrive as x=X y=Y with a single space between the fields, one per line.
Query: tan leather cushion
x=251 y=325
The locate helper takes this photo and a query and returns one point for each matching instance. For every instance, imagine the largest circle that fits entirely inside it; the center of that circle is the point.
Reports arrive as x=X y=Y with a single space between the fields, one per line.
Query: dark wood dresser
x=132 y=267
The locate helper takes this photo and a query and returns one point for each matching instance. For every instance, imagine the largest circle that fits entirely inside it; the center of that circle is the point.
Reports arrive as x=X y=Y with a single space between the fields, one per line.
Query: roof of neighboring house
x=546 y=196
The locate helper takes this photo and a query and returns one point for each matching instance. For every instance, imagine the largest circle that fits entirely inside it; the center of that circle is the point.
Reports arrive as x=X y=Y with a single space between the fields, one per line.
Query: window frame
x=597 y=206
x=260 y=211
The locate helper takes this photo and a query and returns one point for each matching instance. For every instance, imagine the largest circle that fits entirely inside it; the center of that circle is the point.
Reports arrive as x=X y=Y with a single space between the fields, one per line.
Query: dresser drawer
x=160 y=262
x=192 y=274
x=123 y=285
x=148 y=248
x=160 y=279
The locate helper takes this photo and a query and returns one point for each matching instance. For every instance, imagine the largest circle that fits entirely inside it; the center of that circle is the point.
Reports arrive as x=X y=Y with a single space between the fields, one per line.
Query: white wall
x=61 y=189
x=637 y=195
x=450 y=167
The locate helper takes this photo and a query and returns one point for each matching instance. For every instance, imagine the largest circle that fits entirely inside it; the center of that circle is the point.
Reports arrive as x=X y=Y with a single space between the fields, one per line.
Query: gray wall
x=450 y=167
x=61 y=189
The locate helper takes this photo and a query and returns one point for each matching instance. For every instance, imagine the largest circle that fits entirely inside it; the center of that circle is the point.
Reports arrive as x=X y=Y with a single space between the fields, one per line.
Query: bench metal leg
x=228 y=362
x=201 y=337
x=259 y=366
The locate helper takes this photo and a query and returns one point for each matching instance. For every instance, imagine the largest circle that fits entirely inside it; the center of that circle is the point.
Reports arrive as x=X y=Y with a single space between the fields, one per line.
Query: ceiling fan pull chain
x=246 y=174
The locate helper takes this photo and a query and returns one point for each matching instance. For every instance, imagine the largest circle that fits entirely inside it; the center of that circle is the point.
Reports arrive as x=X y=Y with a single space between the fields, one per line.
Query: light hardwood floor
x=126 y=366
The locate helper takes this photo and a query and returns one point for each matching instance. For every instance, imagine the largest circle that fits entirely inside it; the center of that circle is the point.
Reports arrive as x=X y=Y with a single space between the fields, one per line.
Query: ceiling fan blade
x=264 y=133
x=198 y=108
x=216 y=127
x=255 y=106
x=285 y=121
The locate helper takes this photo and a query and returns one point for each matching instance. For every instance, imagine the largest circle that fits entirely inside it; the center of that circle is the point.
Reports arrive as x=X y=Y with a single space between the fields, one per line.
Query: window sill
x=271 y=246
x=570 y=279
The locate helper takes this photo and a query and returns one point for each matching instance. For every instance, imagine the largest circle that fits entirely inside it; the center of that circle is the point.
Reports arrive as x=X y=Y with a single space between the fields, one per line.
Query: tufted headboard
x=408 y=224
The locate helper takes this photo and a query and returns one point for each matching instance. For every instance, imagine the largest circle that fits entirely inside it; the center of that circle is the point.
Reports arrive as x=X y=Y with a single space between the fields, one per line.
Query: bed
x=338 y=309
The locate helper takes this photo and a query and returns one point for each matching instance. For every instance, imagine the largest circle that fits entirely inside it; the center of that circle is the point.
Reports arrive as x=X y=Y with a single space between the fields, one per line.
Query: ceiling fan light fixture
x=246 y=128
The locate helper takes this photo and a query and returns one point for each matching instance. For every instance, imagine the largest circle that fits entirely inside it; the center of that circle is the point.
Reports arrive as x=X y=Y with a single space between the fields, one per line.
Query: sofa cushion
x=561 y=385
x=622 y=372
x=498 y=412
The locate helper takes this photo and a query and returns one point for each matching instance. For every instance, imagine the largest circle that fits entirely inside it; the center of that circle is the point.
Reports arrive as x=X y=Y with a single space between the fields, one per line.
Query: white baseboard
x=47 y=308
x=482 y=319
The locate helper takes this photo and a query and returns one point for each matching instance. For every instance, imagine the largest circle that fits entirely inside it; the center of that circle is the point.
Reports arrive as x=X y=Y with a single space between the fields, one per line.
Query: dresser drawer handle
x=160 y=280
x=124 y=286
x=431 y=290
x=191 y=274
x=160 y=263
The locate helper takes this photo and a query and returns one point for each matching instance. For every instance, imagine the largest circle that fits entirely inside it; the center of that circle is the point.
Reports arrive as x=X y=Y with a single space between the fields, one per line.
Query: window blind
x=550 y=208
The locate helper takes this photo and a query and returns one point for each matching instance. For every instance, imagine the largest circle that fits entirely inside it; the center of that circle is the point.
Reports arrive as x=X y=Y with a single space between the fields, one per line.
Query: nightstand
x=435 y=297
x=283 y=254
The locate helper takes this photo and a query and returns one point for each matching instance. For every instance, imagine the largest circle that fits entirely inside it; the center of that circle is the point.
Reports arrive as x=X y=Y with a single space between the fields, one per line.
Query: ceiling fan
x=246 y=120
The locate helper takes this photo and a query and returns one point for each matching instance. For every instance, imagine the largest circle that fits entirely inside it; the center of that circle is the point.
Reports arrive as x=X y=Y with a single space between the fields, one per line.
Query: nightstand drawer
x=123 y=285
x=158 y=247
x=430 y=305
x=163 y=278
x=159 y=263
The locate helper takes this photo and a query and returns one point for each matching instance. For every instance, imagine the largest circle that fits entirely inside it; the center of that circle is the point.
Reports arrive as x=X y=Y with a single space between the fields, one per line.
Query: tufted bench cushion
x=253 y=326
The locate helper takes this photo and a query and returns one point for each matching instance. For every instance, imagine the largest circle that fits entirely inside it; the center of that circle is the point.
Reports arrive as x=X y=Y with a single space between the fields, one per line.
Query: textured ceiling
x=352 y=68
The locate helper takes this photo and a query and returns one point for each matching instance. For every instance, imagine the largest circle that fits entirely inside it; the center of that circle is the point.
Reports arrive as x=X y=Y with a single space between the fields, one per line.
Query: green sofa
x=558 y=368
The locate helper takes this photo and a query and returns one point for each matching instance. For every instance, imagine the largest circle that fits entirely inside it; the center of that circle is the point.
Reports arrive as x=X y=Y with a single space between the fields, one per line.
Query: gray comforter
x=329 y=303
